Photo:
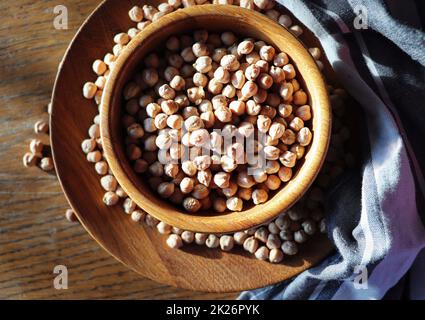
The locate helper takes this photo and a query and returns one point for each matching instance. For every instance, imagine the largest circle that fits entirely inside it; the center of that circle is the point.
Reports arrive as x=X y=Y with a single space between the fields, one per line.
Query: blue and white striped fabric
x=376 y=215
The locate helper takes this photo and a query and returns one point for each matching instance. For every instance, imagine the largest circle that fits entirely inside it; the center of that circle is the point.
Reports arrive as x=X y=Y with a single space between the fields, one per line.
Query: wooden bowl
x=214 y=18
x=139 y=247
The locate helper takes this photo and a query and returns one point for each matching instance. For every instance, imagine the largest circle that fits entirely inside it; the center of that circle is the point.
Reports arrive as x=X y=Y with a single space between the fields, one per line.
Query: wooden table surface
x=34 y=235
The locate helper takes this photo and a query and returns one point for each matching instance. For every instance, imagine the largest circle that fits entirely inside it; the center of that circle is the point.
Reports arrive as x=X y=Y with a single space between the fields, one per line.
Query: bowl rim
x=234 y=221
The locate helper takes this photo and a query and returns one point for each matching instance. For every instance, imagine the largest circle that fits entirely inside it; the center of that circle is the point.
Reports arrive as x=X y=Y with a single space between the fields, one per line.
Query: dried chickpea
x=165 y=189
x=263 y=123
x=288 y=159
x=271 y=152
x=222 y=179
x=223 y=114
x=226 y=242
x=300 y=97
x=219 y=205
x=240 y=237
x=277 y=74
x=259 y=175
x=273 y=228
x=249 y=89
x=303 y=112
x=286 y=91
x=259 y=196
x=298 y=150
x=285 y=110
x=230 y=62
x=234 y=204
x=200 y=238
x=203 y=64
x=36 y=147
x=89 y=90
x=296 y=30
x=304 y=136
x=109 y=183
x=289 y=71
x=275 y=255
x=29 y=159
x=250 y=244
x=174 y=241
x=191 y=204
x=156 y=169
x=200 y=191
x=285 y=173
x=289 y=248
x=139 y=166
x=94 y=156
x=228 y=38
x=315 y=52
x=136 y=14
x=228 y=164
x=245 y=193
x=110 y=198
x=245 y=47
x=273 y=182
x=265 y=81
x=261 y=234
x=204 y=177
x=262 y=253
x=212 y=241
x=189 y=168
x=41 y=126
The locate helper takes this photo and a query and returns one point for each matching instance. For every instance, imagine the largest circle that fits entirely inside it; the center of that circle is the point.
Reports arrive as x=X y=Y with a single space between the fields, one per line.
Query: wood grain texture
x=245 y=23
x=34 y=235
x=142 y=249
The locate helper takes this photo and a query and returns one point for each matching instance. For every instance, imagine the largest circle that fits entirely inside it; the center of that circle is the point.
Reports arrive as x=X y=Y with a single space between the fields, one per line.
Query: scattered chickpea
x=212 y=241
x=275 y=255
x=289 y=248
x=174 y=241
x=250 y=244
x=109 y=183
x=163 y=228
x=262 y=253
x=110 y=198
x=261 y=234
x=296 y=30
x=200 y=238
x=151 y=221
x=29 y=159
x=94 y=156
x=226 y=242
x=137 y=215
x=41 y=126
x=89 y=90
x=36 y=147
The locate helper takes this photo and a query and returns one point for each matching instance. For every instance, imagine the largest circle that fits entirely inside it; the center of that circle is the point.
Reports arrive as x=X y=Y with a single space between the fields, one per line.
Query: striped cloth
x=373 y=215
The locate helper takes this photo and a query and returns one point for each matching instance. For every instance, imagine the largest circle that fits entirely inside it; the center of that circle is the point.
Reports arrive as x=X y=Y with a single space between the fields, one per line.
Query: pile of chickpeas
x=272 y=241
x=203 y=83
x=36 y=154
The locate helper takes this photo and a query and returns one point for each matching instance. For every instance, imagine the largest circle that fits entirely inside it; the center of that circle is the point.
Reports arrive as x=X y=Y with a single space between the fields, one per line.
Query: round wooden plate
x=141 y=248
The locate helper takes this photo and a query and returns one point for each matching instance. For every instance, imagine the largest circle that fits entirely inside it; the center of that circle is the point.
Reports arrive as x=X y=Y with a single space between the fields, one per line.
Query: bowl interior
x=215 y=19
